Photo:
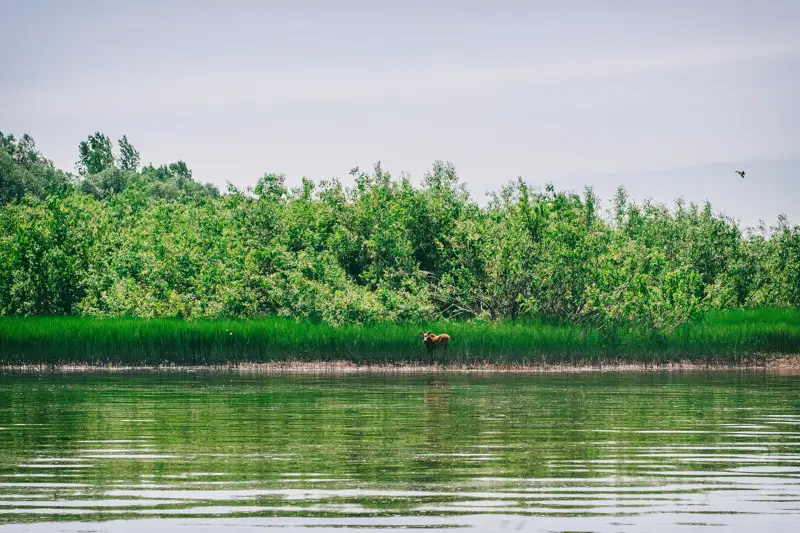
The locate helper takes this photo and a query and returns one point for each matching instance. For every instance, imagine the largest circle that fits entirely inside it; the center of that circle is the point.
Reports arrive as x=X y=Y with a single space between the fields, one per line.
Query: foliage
x=128 y=155
x=96 y=154
x=23 y=170
x=129 y=241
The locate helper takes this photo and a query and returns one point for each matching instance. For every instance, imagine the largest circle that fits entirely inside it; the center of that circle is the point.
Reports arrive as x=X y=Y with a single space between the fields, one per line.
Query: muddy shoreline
x=779 y=364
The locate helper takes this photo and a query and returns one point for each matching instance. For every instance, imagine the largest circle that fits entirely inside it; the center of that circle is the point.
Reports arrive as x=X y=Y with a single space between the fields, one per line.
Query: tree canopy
x=121 y=239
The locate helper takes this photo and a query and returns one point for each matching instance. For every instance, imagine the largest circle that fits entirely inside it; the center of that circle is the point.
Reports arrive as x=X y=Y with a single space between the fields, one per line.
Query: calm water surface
x=226 y=452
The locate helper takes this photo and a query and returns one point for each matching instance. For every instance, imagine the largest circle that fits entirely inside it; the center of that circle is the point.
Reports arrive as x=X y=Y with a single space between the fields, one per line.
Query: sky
x=666 y=98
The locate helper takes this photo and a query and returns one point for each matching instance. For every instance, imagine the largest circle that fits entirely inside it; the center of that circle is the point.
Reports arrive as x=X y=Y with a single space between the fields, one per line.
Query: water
x=224 y=452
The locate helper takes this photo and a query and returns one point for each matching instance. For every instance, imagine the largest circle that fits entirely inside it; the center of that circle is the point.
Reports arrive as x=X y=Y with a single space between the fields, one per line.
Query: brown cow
x=432 y=341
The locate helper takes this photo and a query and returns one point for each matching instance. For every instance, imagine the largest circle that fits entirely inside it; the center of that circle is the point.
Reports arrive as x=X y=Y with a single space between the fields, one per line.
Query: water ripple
x=215 y=453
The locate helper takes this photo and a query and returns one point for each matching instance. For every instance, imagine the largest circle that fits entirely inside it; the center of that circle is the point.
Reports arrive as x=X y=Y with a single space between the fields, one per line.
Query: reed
x=725 y=336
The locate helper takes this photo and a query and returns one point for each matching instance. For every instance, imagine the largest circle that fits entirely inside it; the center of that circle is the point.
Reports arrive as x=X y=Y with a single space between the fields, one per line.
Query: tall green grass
x=721 y=336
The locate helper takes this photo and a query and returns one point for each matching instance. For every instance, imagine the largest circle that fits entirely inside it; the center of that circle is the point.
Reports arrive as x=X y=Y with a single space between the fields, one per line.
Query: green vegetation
x=119 y=240
x=722 y=336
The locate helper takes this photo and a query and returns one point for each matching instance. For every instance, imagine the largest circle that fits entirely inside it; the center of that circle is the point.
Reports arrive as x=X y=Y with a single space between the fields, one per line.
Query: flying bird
x=740 y=172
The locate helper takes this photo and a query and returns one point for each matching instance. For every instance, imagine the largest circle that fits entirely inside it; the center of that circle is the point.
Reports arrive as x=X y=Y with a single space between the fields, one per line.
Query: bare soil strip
x=780 y=364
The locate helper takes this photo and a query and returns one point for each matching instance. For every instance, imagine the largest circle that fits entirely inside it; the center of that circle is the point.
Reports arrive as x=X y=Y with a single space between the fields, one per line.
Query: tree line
x=116 y=238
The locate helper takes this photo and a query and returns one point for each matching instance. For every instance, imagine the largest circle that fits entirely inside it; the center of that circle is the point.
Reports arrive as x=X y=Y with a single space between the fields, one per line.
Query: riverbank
x=789 y=364
x=740 y=338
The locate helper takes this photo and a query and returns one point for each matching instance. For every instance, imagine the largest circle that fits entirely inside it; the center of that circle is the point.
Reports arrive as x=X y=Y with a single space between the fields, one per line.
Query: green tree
x=128 y=155
x=24 y=170
x=96 y=154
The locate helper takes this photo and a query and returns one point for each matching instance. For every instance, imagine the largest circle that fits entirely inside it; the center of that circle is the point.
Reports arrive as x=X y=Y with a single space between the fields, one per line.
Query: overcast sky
x=666 y=98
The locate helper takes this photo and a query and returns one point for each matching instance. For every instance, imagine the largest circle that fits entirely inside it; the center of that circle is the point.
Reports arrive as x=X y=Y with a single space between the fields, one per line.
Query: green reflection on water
x=95 y=447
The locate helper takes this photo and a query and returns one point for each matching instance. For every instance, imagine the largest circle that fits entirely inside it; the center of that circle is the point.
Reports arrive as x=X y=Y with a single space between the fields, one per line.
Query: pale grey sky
x=665 y=97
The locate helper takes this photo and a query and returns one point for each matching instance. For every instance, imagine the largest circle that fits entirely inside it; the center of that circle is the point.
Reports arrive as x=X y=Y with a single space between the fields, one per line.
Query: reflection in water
x=436 y=393
x=610 y=452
